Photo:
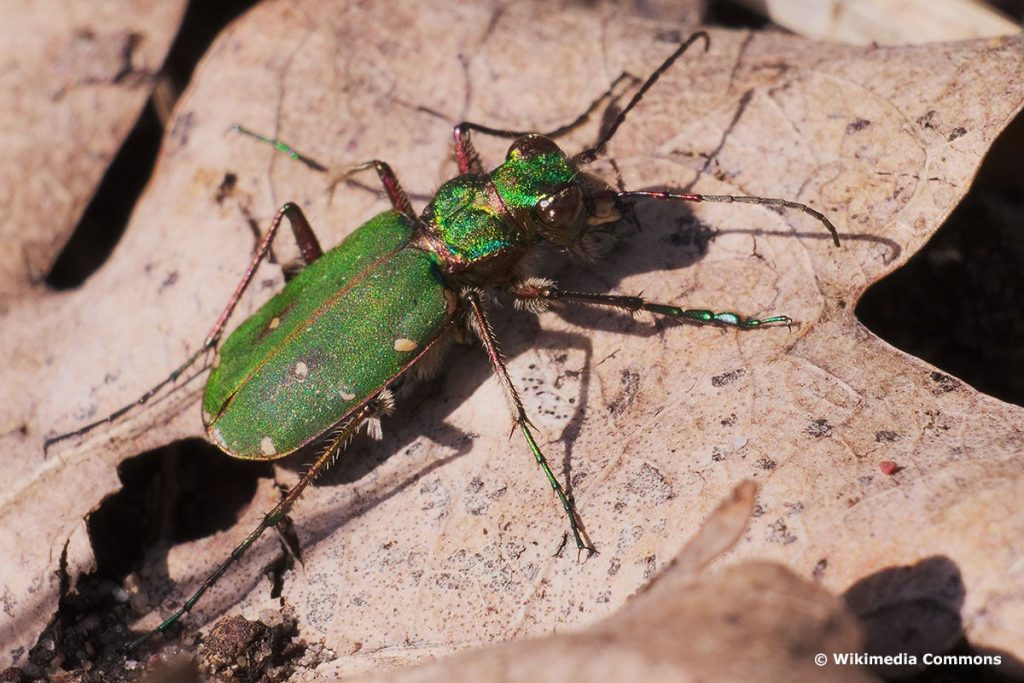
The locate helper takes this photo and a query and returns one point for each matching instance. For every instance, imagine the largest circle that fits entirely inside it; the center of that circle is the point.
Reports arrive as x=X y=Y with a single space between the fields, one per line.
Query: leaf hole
x=957 y=302
x=174 y=494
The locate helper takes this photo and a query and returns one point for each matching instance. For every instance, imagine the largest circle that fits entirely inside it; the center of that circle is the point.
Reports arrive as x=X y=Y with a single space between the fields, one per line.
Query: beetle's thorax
x=480 y=225
x=472 y=231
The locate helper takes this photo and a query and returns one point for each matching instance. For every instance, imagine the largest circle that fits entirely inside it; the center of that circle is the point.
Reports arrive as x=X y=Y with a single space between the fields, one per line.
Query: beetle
x=319 y=361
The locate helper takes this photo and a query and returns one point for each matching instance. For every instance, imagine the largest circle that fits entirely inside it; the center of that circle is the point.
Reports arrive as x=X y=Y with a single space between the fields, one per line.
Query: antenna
x=588 y=155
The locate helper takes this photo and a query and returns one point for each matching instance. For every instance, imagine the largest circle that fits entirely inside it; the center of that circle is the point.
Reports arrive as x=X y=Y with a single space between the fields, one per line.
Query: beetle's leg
x=372 y=410
x=397 y=195
x=309 y=245
x=300 y=226
x=394 y=190
x=536 y=293
x=490 y=343
x=281 y=146
x=310 y=248
x=465 y=153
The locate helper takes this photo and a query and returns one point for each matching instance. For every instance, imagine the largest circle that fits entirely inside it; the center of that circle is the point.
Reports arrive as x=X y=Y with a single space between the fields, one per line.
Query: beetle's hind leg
x=483 y=330
x=536 y=293
x=367 y=415
x=311 y=251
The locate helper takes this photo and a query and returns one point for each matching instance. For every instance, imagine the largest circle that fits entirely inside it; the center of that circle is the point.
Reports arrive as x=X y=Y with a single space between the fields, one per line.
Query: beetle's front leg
x=469 y=160
x=465 y=153
x=537 y=293
x=483 y=329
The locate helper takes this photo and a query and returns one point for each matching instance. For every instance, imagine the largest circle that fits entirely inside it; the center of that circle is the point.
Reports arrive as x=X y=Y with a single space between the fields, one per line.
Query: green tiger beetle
x=319 y=361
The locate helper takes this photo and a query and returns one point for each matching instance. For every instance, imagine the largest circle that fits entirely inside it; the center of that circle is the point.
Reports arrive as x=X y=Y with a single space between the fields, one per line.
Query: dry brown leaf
x=451 y=542
x=735 y=625
x=752 y=621
x=76 y=75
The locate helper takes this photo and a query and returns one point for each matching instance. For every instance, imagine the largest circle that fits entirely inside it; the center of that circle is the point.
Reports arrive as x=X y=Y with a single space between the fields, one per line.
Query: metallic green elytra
x=318 y=361
x=346 y=326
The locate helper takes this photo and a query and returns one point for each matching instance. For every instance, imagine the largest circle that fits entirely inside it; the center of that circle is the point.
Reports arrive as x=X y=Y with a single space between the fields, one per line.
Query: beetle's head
x=546 y=191
x=550 y=197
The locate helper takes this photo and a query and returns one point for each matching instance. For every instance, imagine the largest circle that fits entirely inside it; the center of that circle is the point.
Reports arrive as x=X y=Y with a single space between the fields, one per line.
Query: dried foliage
x=445 y=536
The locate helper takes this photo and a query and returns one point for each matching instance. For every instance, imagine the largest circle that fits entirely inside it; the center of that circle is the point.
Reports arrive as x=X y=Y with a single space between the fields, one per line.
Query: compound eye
x=561 y=210
x=531 y=146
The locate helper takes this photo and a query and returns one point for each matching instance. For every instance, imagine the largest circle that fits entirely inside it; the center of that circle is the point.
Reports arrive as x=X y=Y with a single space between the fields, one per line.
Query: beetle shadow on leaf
x=423 y=410
x=664 y=236
x=913 y=609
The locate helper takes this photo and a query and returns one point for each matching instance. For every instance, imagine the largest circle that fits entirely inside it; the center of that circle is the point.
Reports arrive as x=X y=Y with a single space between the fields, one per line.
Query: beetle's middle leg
x=536 y=293
x=490 y=343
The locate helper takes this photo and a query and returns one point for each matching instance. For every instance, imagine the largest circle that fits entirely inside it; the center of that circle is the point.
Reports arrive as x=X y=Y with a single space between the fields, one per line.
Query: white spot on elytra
x=274 y=324
x=402 y=344
x=267 y=446
x=217 y=437
x=301 y=370
x=347 y=395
